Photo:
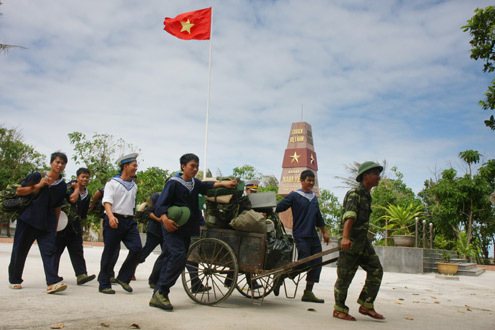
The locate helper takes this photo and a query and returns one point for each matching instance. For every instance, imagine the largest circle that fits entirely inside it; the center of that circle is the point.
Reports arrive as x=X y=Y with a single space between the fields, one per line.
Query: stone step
x=467 y=265
x=477 y=271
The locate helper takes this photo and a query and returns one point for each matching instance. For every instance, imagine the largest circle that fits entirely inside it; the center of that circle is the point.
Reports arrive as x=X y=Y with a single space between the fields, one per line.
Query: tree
x=4 y=48
x=390 y=191
x=482 y=28
x=150 y=181
x=460 y=205
x=331 y=210
x=17 y=159
x=99 y=155
x=353 y=169
x=247 y=172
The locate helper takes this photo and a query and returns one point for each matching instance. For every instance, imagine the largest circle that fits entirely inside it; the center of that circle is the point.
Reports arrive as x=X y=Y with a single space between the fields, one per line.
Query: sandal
x=371 y=313
x=56 y=288
x=343 y=316
x=15 y=286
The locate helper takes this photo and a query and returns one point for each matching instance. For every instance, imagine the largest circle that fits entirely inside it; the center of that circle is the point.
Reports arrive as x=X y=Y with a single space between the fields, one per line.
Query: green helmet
x=366 y=166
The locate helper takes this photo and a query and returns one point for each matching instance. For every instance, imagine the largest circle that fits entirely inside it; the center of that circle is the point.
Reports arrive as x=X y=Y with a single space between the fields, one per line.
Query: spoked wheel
x=211 y=265
x=258 y=287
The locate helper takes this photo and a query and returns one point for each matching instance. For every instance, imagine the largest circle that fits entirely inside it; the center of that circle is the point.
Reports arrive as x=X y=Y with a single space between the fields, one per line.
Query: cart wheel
x=211 y=264
x=243 y=286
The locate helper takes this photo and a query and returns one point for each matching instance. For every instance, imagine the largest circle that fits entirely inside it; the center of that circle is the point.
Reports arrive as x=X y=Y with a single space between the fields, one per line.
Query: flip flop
x=15 y=286
x=56 y=288
x=371 y=313
x=343 y=316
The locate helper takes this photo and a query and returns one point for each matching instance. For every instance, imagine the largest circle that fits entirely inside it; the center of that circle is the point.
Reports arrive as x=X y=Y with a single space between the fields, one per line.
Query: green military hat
x=180 y=214
x=366 y=166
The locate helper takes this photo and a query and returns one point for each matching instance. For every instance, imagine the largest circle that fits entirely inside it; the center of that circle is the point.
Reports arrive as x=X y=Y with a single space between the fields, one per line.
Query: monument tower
x=299 y=155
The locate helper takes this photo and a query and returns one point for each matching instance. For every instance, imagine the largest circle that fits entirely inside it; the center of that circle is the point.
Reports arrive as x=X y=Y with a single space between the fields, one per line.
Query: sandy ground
x=408 y=301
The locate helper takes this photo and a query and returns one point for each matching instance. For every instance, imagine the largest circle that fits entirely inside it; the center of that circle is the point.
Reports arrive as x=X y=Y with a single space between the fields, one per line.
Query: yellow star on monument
x=186 y=26
x=312 y=159
x=295 y=158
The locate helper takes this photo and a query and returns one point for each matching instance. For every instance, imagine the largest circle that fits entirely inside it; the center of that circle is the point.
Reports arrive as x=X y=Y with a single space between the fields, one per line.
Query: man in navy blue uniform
x=119 y=226
x=71 y=237
x=39 y=222
x=179 y=191
x=154 y=237
x=306 y=217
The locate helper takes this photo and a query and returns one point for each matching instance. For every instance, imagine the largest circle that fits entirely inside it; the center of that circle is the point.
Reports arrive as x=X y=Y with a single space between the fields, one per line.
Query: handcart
x=224 y=260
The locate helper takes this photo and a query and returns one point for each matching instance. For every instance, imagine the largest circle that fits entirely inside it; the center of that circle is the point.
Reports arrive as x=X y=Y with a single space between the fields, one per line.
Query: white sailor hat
x=252 y=184
x=127 y=159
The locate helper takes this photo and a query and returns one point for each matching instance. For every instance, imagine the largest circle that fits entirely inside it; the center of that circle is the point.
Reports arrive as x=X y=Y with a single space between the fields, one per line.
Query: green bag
x=249 y=221
x=218 y=215
x=13 y=205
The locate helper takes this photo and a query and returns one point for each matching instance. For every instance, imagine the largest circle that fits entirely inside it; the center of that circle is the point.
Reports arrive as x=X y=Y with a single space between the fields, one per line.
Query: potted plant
x=400 y=219
x=446 y=267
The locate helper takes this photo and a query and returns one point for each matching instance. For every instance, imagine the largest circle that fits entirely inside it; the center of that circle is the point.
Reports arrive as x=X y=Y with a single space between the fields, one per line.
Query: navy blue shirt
x=305 y=213
x=78 y=210
x=178 y=192
x=41 y=212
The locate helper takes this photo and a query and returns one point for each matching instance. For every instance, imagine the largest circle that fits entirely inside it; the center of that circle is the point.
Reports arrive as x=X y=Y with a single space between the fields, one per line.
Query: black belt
x=123 y=216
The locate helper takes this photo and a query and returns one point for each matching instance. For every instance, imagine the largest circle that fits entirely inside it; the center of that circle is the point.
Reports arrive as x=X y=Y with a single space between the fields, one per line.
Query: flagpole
x=208 y=101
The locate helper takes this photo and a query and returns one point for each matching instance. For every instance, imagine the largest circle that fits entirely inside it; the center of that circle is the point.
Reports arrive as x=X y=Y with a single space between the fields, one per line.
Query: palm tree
x=353 y=169
x=4 y=48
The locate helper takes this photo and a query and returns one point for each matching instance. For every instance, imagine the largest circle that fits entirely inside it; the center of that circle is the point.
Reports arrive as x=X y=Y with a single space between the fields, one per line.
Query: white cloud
x=377 y=80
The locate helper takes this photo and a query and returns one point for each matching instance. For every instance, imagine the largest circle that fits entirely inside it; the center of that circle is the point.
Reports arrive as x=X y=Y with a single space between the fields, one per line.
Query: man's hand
x=345 y=244
x=230 y=184
x=170 y=225
x=326 y=238
x=75 y=185
x=43 y=182
x=113 y=221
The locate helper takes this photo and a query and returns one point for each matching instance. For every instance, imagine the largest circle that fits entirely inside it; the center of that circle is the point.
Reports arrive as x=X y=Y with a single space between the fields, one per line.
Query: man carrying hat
x=178 y=208
x=119 y=225
x=355 y=247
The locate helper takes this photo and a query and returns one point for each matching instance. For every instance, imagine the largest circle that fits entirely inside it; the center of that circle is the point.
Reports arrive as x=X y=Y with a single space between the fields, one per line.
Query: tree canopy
x=481 y=27
x=17 y=159
x=460 y=207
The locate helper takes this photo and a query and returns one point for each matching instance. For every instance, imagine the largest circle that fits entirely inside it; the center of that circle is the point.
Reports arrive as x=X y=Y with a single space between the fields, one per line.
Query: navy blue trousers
x=152 y=241
x=74 y=243
x=127 y=233
x=174 y=258
x=24 y=237
x=306 y=247
x=157 y=266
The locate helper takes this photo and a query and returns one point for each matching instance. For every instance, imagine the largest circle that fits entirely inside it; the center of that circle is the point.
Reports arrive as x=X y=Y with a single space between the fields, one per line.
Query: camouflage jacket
x=357 y=205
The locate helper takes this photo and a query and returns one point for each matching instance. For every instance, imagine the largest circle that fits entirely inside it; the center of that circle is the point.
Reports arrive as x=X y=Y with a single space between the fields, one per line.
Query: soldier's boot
x=161 y=301
x=309 y=296
x=84 y=278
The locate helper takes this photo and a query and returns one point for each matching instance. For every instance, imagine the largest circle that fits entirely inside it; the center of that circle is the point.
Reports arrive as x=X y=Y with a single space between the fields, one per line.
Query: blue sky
x=377 y=80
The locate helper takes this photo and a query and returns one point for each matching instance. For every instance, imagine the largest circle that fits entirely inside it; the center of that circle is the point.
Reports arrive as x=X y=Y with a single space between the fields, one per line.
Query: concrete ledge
x=401 y=259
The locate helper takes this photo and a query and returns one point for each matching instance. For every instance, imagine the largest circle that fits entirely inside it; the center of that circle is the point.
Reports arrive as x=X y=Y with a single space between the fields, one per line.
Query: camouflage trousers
x=347 y=266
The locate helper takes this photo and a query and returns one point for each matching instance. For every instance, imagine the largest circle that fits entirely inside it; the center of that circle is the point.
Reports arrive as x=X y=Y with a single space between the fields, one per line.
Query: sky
x=375 y=79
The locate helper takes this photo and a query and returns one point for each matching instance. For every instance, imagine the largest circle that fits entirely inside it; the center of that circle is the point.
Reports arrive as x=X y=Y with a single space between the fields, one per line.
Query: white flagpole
x=205 y=168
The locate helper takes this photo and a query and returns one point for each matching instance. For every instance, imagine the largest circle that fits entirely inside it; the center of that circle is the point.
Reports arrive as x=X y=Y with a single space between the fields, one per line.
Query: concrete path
x=408 y=302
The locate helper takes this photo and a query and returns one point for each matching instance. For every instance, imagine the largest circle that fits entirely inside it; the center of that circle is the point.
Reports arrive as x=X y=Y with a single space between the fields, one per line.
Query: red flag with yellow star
x=191 y=25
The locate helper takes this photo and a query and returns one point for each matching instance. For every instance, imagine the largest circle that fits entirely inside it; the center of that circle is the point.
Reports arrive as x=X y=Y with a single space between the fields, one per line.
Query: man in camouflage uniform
x=356 y=249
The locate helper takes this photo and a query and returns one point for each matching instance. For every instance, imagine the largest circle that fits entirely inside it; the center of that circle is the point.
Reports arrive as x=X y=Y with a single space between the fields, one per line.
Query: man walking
x=307 y=217
x=119 y=225
x=356 y=249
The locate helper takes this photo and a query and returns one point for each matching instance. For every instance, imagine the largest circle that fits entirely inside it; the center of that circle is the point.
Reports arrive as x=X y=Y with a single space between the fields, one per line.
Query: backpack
x=219 y=215
x=13 y=205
